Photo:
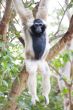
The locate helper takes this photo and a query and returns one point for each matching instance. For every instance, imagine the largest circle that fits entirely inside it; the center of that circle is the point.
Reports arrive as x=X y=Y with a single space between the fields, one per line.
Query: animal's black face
x=38 y=27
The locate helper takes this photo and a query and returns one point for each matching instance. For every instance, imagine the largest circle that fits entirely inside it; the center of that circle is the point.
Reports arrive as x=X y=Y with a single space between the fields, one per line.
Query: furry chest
x=39 y=45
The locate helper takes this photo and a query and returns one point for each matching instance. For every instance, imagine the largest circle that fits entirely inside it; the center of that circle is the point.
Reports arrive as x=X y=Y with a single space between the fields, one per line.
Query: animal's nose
x=38 y=29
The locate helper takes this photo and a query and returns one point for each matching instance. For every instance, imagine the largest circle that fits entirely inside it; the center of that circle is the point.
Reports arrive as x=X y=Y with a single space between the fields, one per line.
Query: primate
x=36 y=47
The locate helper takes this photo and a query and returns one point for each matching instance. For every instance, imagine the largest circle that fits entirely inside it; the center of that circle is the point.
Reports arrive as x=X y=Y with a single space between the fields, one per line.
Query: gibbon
x=36 y=47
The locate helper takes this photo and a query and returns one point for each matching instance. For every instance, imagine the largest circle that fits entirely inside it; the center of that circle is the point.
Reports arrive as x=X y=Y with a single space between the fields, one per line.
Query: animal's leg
x=46 y=86
x=31 y=67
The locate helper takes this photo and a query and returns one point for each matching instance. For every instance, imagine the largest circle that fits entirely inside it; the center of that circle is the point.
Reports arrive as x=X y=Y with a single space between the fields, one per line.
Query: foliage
x=62 y=59
x=10 y=64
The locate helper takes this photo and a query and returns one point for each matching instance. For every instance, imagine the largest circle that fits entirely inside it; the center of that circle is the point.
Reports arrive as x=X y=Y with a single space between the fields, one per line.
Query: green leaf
x=5 y=83
x=65 y=91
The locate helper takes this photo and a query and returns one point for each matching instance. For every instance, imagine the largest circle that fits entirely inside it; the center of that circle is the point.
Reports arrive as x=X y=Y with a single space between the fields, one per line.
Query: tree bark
x=6 y=18
x=4 y=24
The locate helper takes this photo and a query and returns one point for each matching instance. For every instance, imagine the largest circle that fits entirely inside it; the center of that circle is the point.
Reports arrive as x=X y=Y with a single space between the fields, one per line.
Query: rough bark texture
x=6 y=18
x=19 y=86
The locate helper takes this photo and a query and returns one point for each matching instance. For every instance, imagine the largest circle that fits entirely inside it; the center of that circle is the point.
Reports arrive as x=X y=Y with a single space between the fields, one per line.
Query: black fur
x=38 y=35
x=38 y=27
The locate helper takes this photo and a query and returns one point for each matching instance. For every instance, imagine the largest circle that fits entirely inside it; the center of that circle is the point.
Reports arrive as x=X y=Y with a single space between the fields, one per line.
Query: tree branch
x=61 y=44
x=61 y=19
x=6 y=18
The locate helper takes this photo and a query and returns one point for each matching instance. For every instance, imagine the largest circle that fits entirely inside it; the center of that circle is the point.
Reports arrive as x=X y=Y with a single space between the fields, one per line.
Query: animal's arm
x=23 y=12
x=43 y=9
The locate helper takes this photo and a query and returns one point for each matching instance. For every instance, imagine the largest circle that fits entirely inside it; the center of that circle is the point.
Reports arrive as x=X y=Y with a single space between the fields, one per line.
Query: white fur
x=32 y=68
x=46 y=86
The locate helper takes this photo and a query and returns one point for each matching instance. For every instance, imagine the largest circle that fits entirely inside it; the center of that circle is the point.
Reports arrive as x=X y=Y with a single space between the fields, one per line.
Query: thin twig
x=61 y=18
x=12 y=39
x=60 y=75
x=2 y=4
x=56 y=37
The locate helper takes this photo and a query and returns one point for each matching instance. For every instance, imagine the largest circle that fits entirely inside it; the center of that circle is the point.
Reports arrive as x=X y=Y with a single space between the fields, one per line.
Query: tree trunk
x=4 y=23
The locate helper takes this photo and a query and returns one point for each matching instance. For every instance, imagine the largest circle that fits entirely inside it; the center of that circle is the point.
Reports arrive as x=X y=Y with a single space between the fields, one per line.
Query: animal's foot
x=46 y=99
x=34 y=100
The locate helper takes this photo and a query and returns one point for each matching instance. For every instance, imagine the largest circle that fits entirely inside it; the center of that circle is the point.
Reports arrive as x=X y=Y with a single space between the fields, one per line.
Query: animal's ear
x=24 y=13
x=43 y=28
x=42 y=10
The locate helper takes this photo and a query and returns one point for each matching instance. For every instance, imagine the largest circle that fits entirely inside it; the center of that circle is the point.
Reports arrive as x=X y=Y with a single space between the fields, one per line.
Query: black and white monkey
x=36 y=47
